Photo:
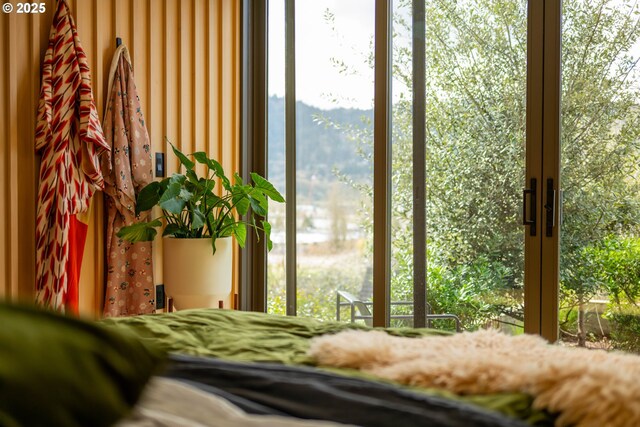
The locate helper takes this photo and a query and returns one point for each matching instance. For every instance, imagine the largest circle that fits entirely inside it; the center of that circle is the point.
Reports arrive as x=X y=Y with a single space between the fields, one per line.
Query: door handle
x=550 y=208
x=531 y=222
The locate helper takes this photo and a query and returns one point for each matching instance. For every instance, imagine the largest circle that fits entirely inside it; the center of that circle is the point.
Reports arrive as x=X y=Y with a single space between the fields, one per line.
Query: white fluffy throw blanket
x=585 y=387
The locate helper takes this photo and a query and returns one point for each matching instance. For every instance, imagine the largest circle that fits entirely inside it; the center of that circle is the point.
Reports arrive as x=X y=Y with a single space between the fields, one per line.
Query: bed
x=264 y=359
x=217 y=367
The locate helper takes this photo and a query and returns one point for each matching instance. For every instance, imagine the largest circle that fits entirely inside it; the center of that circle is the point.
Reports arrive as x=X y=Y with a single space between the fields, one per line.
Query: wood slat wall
x=186 y=57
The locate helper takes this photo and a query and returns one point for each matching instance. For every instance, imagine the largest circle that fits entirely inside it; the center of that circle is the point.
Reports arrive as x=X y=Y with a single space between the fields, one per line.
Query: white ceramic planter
x=193 y=277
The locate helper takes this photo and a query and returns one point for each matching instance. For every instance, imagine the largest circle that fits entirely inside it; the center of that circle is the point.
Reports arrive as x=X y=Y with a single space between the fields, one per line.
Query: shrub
x=625 y=329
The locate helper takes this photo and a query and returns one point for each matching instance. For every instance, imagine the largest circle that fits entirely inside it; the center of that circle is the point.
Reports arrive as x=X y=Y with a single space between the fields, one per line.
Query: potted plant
x=198 y=225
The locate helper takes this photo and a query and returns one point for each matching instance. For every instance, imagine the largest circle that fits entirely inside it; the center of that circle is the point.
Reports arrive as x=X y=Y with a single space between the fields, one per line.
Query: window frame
x=542 y=158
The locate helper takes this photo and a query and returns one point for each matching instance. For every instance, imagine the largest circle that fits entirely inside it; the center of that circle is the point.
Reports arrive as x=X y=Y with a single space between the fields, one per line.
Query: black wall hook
x=118 y=41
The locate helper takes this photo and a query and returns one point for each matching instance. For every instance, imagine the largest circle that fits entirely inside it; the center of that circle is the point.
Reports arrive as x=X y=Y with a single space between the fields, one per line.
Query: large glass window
x=499 y=118
x=475 y=110
x=333 y=122
x=276 y=169
x=600 y=248
x=476 y=53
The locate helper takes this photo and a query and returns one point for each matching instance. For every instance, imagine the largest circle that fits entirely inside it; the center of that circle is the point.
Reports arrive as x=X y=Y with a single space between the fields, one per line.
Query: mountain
x=324 y=144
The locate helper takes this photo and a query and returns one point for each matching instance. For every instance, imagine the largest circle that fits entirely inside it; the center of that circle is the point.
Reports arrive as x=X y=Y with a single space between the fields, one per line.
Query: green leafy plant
x=625 y=327
x=191 y=209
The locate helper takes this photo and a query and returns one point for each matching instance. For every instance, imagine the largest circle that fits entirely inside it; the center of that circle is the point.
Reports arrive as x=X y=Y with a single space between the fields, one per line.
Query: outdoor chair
x=361 y=310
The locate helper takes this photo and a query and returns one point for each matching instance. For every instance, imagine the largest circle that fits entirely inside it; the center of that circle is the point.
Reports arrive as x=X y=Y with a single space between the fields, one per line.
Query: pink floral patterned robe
x=130 y=289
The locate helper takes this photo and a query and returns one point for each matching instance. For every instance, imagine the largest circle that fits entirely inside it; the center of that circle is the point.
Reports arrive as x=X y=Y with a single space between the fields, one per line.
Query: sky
x=320 y=41
x=317 y=43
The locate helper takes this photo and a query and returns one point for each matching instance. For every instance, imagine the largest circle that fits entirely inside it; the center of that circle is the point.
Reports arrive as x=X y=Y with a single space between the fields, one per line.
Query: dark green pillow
x=61 y=371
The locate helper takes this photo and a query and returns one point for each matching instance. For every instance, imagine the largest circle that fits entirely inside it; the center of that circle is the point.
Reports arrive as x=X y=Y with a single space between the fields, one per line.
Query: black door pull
x=531 y=222
x=550 y=208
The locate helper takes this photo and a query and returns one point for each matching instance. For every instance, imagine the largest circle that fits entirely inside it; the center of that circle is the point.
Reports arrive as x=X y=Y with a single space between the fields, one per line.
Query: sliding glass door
x=508 y=164
x=475 y=72
x=600 y=256
x=321 y=242
x=474 y=68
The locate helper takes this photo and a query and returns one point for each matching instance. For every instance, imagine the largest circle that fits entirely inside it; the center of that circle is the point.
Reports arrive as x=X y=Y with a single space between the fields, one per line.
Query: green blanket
x=258 y=337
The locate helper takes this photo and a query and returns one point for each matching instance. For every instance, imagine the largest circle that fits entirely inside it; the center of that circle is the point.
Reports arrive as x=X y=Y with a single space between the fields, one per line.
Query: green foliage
x=476 y=58
x=581 y=282
x=476 y=292
x=617 y=266
x=625 y=328
x=610 y=267
x=600 y=138
x=317 y=290
x=191 y=209
x=568 y=319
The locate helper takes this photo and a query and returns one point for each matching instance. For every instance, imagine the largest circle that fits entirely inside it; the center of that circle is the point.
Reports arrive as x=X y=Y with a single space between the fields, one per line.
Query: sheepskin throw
x=584 y=387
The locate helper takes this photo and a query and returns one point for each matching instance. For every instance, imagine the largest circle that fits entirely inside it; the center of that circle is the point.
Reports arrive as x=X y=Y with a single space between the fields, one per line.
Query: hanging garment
x=127 y=170
x=70 y=140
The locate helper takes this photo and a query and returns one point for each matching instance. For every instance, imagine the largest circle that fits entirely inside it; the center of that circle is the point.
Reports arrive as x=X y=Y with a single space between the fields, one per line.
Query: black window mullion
x=253 y=271
x=290 y=157
x=420 y=309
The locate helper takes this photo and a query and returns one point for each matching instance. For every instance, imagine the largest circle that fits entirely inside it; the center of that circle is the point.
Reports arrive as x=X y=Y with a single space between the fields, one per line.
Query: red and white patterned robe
x=127 y=170
x=70 y=140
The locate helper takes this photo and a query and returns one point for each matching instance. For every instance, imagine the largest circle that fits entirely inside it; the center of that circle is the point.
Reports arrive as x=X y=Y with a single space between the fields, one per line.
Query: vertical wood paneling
x=101 y=22
x=172 y=80
x=156 y=105
x=234 y=75
x=200 y=72
x=123 y=22
x=13 y=68
x=140 y=52
x=185 y=48
x=206 y=63
x=185 y=55
x=25 y=241
x=233 y=102
x=93 y=296
x=84 y=12
x=5 y=290
x=227 y=60
x=27 y=167
x=215 y=82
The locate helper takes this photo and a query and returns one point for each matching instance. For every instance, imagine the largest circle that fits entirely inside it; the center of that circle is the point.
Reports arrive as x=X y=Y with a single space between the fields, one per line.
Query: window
x=413 y=129
x=327 y=183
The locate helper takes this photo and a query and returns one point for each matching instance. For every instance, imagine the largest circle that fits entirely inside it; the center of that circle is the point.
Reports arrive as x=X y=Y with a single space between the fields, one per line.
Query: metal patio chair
x=361 y=310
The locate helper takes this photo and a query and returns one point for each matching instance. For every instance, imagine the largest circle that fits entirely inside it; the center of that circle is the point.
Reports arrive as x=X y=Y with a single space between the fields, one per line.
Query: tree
x=476 y=118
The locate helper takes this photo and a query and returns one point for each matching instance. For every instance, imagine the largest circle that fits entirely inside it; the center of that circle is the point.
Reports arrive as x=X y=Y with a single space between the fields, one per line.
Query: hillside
x=323 y=146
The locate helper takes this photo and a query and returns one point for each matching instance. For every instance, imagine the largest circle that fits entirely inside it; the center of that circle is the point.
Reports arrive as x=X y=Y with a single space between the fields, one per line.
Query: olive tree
x=476 y=122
